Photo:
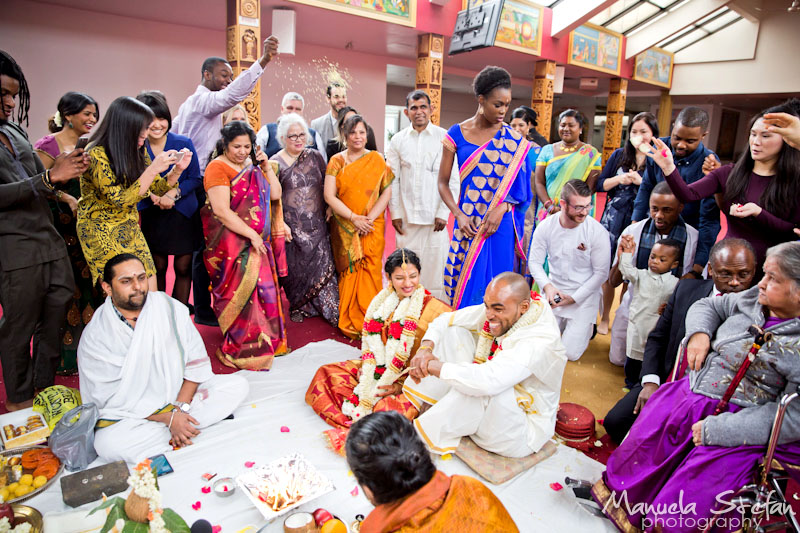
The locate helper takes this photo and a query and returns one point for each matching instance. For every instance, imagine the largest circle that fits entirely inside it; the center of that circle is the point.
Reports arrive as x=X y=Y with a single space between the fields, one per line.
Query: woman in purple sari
x=241 y=251
x=689 y=451
x=311 y=284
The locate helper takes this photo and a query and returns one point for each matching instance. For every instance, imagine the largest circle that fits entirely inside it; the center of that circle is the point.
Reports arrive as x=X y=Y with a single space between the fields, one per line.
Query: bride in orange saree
x=339 y=393
x=242 y=246
x=357 y=191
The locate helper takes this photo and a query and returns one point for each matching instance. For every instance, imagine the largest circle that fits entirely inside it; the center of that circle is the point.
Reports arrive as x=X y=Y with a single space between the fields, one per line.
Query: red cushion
x=575 y=423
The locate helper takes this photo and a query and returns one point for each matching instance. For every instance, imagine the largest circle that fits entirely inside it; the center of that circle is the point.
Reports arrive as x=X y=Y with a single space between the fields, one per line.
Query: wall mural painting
x=397 y=11
x=654 y=65
x=596 y=48
x=520 y=27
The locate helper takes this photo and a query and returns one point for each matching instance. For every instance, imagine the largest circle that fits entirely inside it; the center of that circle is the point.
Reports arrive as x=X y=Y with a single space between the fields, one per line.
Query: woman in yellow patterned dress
x=120 y=174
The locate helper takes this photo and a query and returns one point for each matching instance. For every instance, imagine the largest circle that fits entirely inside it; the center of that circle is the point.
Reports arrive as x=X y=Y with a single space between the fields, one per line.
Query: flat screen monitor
x=476 y=27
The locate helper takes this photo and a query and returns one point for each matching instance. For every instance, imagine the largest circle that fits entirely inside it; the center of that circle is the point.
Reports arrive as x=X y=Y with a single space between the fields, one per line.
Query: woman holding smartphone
x=120 y=175
x=171 y=222
x=76 y=115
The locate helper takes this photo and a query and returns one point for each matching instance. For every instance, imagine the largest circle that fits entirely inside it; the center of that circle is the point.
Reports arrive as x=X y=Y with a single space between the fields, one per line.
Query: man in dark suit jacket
x=732 y=265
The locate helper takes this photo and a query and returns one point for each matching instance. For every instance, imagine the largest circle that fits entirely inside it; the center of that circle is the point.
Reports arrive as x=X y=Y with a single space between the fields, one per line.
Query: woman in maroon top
x=760 y=194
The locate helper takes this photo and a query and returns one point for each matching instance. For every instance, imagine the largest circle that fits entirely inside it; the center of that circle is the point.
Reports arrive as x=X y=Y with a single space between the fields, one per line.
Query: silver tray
x=291 y=466
x=35 y=492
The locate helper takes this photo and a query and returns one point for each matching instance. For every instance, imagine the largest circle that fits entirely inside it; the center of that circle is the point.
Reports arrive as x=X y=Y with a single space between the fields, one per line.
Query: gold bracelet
x=60 y=195
x=46 y=180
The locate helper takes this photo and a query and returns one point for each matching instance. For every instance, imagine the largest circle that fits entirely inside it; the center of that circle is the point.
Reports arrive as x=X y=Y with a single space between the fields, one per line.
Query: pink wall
x=63 y=49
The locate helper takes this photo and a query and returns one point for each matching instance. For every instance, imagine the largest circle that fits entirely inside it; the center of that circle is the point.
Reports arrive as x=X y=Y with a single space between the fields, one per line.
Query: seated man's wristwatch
x=184 y=408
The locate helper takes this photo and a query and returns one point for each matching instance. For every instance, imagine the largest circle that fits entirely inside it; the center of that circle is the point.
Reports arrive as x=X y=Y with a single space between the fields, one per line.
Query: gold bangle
x=46 y=180
x=60 y=194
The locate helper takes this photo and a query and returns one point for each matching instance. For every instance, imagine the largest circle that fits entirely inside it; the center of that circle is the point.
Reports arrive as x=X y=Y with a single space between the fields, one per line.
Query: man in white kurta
x=575 y=246
x=144 y=365
x=419 y=215
x=508 y=402
x=665 y=210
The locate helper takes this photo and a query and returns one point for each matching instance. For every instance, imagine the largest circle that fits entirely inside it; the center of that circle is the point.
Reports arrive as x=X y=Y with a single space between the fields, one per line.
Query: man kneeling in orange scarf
x=397 y=475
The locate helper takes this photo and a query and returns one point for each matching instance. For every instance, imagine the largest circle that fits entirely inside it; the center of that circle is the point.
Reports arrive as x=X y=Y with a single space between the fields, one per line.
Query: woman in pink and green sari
x=494 y=195
x=563 y=161
x=243 y=251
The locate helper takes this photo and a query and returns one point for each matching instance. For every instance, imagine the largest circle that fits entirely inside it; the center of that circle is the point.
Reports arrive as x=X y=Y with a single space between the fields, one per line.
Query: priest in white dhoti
x=144 y=365
x=491 y=372
x=575 y=246
x=419 y=216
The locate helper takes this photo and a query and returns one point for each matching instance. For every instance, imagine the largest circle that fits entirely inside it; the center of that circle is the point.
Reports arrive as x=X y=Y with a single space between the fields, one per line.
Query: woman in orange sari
x=357 y=190
x=396 y=321
x=395 y=471
x=243 y=251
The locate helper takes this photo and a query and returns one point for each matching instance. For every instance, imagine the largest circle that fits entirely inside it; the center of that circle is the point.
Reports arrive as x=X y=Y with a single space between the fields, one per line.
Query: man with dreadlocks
x=35 y=274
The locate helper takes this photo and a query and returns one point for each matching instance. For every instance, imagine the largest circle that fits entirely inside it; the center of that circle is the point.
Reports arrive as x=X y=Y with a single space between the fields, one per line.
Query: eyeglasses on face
x=579 y=208
x=296 y=137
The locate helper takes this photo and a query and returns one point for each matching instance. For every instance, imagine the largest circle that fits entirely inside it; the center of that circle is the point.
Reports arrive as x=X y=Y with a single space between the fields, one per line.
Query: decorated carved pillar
x=617 y=94
x=544 y=76
x=244 y=48
x=664 y=113
x=430 y=61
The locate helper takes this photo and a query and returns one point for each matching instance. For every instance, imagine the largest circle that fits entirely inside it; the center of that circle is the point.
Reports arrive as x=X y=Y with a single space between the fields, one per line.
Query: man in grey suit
x=336 y=95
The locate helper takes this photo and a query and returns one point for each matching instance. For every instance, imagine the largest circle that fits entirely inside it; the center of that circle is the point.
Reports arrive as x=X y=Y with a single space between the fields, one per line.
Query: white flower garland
x=143 y=483
x=488 y=345
x=392 y=356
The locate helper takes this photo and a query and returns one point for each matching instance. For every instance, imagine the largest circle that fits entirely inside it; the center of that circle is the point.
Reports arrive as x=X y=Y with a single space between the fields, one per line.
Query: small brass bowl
x=24 y=514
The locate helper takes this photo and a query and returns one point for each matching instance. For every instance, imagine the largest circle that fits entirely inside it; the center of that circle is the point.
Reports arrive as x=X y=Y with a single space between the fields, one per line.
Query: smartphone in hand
x=82 y=142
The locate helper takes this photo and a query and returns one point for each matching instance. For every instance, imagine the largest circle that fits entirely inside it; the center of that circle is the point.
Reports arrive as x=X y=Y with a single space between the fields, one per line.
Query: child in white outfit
x=652 y=288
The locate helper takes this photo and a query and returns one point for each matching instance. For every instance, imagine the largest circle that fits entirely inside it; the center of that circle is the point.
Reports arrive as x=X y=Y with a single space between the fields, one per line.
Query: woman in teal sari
x=494 y=195
x=562 y=161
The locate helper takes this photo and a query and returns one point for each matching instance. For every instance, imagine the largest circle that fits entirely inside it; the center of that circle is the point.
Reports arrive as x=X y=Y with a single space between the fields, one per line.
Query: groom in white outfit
x=492 y=372
x=144 y=365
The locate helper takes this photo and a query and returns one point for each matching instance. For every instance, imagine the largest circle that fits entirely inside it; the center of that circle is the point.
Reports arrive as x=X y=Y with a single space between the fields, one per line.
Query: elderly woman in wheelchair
x=699 y=439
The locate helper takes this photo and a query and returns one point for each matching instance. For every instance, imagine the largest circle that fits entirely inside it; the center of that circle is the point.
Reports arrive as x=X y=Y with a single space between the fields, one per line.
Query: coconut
x=137 y=508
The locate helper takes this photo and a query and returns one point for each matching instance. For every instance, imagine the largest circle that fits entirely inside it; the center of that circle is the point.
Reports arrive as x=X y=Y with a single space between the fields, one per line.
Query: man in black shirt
x=35 y=274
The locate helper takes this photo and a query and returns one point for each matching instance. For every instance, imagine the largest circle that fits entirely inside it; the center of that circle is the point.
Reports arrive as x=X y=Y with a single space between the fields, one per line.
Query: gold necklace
x=565 y=149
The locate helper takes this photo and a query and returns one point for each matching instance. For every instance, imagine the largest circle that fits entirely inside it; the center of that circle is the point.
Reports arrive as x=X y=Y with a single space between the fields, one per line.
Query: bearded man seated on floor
x=144 y=364
x=507 y=402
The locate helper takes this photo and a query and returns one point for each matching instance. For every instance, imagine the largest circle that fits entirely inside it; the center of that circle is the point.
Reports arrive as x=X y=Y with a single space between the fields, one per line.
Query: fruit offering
x=20 y=475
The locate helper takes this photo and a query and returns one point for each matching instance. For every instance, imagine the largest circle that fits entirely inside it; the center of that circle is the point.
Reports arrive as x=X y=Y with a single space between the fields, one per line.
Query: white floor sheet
x=277 y=399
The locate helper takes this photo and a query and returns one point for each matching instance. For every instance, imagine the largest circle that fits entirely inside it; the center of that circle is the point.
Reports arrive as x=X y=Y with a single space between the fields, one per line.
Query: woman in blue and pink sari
x=245 y=250
x=495 y=192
